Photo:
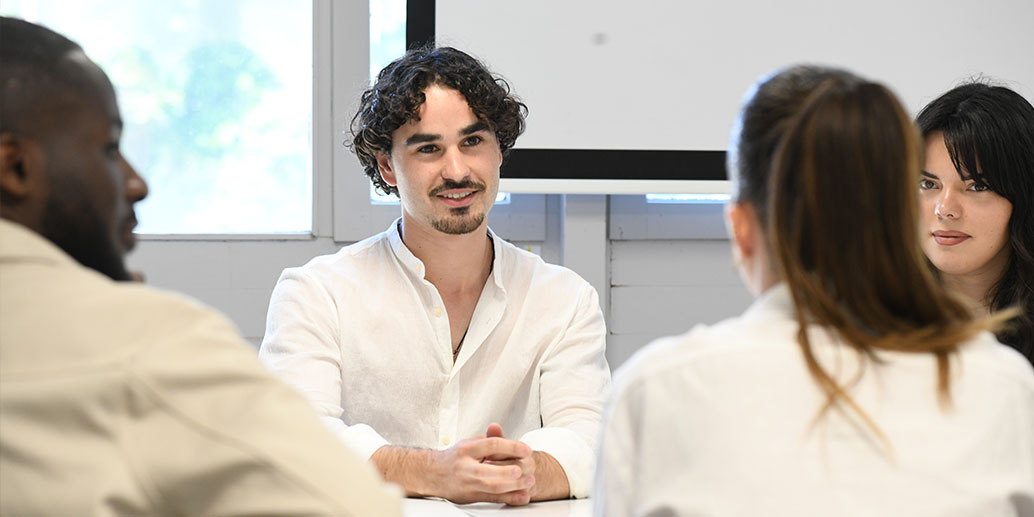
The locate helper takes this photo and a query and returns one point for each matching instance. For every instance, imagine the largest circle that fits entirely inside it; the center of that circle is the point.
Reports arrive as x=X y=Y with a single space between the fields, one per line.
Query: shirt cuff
x=572 y=453
x=360 y=438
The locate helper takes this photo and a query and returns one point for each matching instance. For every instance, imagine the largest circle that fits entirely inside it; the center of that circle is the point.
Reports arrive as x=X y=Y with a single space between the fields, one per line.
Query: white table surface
x=438 y=508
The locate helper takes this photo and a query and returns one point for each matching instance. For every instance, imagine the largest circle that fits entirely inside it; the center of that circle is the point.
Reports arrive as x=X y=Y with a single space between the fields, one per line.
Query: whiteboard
x=670 y=75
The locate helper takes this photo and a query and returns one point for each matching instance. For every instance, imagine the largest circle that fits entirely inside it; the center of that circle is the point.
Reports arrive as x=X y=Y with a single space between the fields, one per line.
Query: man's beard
x=83 y=235
x=459 y=221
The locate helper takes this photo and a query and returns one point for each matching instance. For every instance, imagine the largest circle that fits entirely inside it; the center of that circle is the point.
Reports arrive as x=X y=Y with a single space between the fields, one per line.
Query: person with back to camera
x=976 y=201
x=116 y=398
x=854 y=384
x=421 y=345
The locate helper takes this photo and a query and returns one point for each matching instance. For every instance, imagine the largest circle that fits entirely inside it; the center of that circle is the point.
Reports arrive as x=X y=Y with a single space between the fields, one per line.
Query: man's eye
x=473 y=140
x=925 y=184
x=427 y=149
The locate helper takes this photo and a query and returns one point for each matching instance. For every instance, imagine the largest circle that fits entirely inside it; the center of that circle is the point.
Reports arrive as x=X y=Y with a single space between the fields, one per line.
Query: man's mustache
x=452 y=184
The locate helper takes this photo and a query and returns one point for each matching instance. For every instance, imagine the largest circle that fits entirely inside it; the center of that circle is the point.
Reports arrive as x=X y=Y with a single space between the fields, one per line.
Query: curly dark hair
x=989 y=133
x=399 y=91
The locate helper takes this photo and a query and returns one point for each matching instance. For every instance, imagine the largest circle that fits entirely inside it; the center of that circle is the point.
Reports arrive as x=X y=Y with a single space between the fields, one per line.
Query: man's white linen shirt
x=366 y=338
x=718 y=421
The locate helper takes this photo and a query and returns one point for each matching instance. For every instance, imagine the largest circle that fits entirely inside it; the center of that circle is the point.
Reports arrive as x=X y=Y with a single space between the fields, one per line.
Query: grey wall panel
x=673 y=262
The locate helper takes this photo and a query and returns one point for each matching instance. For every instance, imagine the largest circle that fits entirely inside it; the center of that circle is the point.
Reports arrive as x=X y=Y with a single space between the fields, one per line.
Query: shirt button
x=445 y=440
x=438 y=312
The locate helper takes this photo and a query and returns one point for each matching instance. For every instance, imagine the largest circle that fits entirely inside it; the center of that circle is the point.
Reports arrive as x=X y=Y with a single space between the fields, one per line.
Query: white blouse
x=719 y=421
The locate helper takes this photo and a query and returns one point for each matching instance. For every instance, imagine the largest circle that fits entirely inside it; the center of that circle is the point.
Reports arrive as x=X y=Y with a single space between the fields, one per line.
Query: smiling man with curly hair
x=421 y=346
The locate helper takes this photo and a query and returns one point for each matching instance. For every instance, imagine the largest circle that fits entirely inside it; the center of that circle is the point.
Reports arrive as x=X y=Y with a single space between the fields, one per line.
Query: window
x=217 y=102
x=387 y=33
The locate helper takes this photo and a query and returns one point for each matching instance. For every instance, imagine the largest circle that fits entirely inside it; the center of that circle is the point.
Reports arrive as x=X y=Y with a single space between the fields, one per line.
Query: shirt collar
x=406 y=257
x=776 y=301
x=416 y=266
x=497 y=259
x=20 y=243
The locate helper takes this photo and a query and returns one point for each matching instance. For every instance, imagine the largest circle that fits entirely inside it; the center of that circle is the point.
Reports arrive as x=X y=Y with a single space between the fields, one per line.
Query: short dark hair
x=989 y=133
x=396 y=97
x=31 y=57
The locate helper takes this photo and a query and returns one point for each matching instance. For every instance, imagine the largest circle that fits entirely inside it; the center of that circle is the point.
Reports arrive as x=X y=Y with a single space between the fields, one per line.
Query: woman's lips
x=949 y=238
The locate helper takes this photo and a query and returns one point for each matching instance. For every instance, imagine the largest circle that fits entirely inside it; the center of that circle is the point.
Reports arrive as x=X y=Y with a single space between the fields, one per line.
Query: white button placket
x=448 y=413
x=448 y=416
x=439 y=320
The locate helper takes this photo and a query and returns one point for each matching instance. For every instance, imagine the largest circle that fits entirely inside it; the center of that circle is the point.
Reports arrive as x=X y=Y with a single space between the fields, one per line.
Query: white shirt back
x=722 y=421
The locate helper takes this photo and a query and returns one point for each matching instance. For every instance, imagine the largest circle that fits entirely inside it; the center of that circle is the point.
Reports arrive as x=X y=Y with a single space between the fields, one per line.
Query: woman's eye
x=925 y=184
x=979 y=187
x=112 y=149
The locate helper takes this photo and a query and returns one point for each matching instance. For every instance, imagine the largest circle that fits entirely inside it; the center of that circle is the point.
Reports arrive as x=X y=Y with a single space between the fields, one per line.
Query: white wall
x=665 y=287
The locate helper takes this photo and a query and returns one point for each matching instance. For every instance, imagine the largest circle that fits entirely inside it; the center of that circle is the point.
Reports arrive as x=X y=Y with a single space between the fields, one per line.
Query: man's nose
x=455 y=166
x=136 y=187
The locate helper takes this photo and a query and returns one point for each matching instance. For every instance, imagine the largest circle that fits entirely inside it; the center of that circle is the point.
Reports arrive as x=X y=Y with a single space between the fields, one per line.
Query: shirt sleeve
x=615 y=481
x=574 y=383
x=214 y=434
x=302 y=348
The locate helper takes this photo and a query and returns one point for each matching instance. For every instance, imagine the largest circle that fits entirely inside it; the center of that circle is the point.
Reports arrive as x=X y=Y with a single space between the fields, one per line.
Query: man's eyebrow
x=480 y=125
x=421 y=138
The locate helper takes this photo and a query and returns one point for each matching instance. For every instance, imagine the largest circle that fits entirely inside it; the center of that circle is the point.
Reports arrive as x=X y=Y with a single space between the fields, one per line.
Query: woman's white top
x=722 y=421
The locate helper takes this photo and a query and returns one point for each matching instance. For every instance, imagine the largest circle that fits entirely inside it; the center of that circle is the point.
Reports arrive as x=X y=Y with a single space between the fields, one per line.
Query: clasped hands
x=484 y=468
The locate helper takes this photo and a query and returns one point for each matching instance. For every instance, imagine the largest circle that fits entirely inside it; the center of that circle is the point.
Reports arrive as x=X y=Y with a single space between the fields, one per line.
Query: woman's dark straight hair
x=989 y=133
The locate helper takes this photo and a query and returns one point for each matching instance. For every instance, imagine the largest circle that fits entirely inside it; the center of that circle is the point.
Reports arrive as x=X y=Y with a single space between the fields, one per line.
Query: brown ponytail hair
x=830 y=163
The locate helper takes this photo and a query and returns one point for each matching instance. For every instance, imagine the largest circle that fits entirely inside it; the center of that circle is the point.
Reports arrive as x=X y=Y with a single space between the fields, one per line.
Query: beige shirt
x=118 y=399
x=718 y=421
x=366 y=338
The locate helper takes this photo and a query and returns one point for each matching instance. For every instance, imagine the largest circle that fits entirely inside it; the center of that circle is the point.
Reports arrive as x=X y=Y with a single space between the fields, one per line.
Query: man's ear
x=744 y=229
x=18 y=166
x=387 y=172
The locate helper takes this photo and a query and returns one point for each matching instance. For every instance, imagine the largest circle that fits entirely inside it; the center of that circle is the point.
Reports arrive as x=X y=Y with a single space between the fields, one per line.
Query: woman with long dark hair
x=977 y=201
x=855 y=384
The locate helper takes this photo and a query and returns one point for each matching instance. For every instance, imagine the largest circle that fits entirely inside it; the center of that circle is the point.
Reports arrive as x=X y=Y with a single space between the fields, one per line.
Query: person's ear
x=744 y=229
x=387 y=172
x=17 y=167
